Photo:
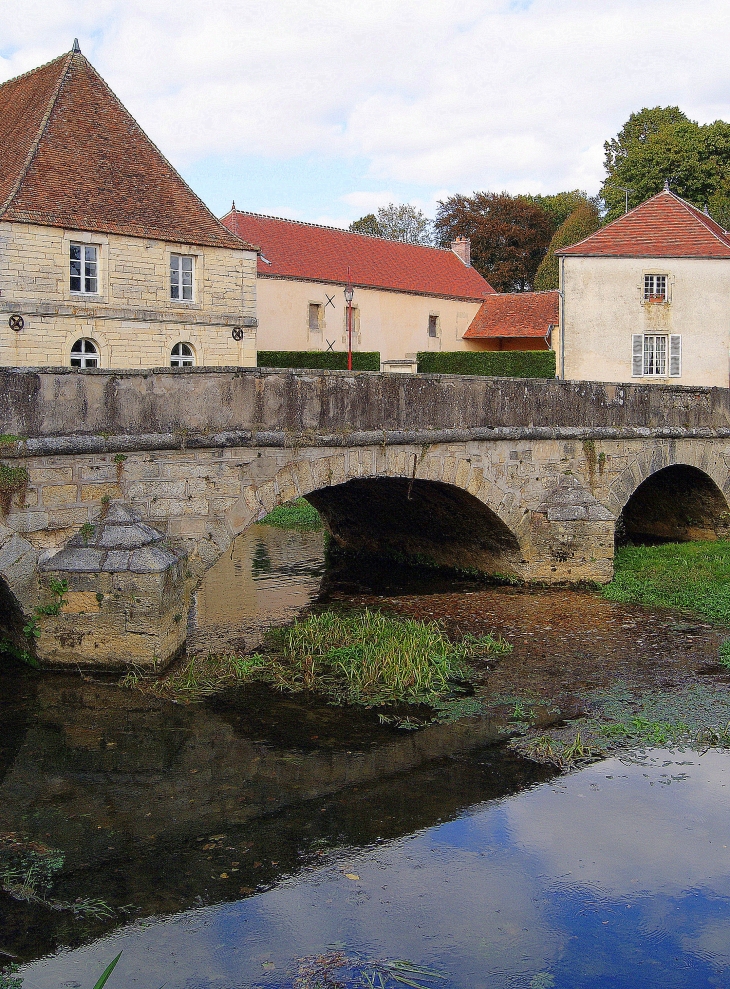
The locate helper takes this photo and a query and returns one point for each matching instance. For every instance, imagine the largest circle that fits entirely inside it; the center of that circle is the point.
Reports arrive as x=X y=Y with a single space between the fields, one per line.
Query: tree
x=582 y=222
x=509 y=235
x=404 y=223
x=560 y=205
x=662 y=143
x=367 y=225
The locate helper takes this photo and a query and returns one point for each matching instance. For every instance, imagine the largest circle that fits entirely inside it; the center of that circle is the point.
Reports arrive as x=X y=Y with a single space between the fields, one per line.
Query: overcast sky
x=322 y=110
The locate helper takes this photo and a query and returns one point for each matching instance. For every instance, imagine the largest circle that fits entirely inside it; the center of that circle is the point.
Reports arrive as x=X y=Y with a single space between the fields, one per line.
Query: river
x=257 y=839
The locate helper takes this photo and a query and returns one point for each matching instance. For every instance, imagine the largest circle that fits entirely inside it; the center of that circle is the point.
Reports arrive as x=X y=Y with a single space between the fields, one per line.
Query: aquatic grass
x=371 y=658
x=200 y=676
x=297 y=514
x=335 y=970
x=724 y=654
x=692 y=577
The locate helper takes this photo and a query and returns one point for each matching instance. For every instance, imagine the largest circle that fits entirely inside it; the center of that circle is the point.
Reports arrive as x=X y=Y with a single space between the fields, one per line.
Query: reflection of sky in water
x=615 y=876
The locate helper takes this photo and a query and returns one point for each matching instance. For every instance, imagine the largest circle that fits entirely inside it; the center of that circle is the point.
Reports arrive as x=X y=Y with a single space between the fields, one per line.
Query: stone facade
x=132 y=319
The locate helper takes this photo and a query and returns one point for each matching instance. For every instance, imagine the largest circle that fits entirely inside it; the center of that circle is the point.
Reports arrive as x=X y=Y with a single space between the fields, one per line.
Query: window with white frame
x=656 y=355
x=84 y=353
x=181 y=277
x=84 y=269
x=182 y=355
x=655 y=288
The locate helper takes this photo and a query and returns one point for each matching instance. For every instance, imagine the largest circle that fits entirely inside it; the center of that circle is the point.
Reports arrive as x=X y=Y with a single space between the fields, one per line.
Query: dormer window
x=655 y=288
x=84 y=269
x=181 y=277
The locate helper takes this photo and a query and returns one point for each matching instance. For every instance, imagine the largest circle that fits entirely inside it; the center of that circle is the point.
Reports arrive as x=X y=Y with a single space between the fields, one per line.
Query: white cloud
x=433 y=93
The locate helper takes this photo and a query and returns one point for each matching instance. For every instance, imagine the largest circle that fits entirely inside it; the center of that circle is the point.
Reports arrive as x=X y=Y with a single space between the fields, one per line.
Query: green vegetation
x=495 y=363
x=297 y=514
x=319 y=360
x=9 y=980
x=9 y=439
x=335 y=969
x=583 y=221
x=692 y=577
x=364 y=658
x=13 y=480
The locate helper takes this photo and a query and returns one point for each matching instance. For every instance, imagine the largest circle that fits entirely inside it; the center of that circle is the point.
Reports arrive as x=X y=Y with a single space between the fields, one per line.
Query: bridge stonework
x=521 y=478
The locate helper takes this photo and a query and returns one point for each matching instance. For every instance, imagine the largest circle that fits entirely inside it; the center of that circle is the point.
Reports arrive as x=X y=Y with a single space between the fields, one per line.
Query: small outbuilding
x=515 y=321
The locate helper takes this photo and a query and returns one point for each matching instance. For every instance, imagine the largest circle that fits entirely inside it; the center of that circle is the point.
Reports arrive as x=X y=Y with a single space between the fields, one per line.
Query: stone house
x=107 y=257
x=407 y=298
x=647 y=297
x=515 y=321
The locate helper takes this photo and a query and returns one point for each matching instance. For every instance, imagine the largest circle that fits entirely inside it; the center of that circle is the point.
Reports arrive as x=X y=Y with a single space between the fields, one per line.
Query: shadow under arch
x=12 y=621
x=678 y=503
x=417 y=521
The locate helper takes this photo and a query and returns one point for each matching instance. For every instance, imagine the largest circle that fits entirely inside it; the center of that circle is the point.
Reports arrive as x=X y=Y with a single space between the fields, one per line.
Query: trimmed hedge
x=495 y=363
x=319 y=360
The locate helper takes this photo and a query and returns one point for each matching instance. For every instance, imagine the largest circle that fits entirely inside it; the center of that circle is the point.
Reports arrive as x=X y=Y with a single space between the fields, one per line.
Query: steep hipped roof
x=664 y=226
x=71 y=156
x=518 y=314
x=309 y=252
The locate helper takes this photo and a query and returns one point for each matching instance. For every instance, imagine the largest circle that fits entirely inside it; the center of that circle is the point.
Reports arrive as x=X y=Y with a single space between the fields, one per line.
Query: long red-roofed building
x=107 y=257
x=406 y=298
x=647 y=298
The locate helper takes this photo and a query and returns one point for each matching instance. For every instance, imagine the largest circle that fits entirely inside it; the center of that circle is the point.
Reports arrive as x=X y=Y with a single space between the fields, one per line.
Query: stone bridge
x=127 y=486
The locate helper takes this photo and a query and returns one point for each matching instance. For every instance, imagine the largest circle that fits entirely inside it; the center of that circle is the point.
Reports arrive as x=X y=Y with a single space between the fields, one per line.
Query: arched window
x=182 y=355
x=84 y=353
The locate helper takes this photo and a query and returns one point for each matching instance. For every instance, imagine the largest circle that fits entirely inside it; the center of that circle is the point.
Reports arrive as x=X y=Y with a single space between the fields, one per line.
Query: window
x=655 y=288
x=181 y=277
x=84 y=269
x=84 y=353
x=356 y=339
x=656 y=355
x=315 y=317
x=433 y=326
x=182 y=355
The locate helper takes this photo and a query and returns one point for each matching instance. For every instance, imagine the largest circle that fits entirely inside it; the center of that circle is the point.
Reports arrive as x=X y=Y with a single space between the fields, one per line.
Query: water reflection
x=618 y=875
x=266 y=579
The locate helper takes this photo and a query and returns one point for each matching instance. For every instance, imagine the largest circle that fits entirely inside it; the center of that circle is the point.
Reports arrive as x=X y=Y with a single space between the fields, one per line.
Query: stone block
x=95 y=492
x=57 y=496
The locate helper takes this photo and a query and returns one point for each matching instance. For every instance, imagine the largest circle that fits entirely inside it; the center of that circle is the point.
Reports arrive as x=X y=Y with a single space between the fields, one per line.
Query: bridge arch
x=18 y=585
x=385 y=501
x=676 y=502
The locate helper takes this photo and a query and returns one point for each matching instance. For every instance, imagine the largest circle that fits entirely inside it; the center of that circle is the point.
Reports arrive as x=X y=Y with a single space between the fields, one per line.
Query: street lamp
x=349 y=292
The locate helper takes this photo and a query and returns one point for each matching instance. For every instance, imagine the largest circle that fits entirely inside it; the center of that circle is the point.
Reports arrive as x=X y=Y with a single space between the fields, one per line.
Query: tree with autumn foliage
x=509 y=235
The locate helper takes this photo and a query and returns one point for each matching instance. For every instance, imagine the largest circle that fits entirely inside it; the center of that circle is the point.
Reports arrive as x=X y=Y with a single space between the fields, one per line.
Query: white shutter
x=675 y=356
x=637 y=352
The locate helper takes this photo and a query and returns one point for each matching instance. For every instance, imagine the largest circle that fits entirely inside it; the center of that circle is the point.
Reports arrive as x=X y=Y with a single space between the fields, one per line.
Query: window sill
x=655 y=302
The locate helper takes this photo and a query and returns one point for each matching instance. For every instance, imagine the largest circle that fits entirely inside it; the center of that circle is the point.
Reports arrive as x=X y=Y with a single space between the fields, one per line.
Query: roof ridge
x=697 y=213
x=169 y=164
x=33 y=150
x=38 y=68
x=341 y=230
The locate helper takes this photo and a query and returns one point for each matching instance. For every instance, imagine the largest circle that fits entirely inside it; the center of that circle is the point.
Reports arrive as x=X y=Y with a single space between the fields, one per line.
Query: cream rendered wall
x=131 y=318
x=602 y=308
x=394 y=323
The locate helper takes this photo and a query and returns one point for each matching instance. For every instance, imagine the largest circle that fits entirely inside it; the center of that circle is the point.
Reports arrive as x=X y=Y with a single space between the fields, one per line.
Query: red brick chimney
x=462 y=249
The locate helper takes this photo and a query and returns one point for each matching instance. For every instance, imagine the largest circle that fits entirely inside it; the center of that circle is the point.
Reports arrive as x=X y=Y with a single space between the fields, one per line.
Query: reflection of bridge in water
x=522 y=478
x=150 y=802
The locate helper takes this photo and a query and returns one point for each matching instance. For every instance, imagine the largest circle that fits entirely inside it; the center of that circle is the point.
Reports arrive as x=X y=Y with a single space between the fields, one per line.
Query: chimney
x=462 y=249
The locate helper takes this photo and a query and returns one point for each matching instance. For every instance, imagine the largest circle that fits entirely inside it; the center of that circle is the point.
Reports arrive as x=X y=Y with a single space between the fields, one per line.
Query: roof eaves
x=376 y=288
x=41 y=130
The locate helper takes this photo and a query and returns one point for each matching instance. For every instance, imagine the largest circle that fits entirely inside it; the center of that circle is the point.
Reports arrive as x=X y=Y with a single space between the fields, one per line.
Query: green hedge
x=315 y=360
x=495 y=363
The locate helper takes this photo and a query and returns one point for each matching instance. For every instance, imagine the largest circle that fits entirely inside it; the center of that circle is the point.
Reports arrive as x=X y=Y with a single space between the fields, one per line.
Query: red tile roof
x=664 y=226
x=518 y=314
x=309 y=252
x=71 y=156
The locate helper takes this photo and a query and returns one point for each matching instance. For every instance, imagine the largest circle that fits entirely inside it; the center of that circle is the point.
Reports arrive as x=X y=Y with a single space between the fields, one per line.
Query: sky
x=323 y=111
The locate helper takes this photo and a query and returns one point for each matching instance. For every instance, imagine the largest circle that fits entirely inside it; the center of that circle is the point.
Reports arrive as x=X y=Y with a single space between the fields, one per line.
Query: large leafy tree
x=396 y=222
x=659 y=144
x=509 y=235
x=582 y=222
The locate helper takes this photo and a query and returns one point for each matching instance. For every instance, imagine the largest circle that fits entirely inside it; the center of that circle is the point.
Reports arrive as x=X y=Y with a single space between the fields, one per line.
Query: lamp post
x=348 y=299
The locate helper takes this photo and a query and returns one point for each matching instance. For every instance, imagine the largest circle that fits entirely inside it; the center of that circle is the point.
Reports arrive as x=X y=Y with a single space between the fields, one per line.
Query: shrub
x=494 y=363
x=319 y=360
